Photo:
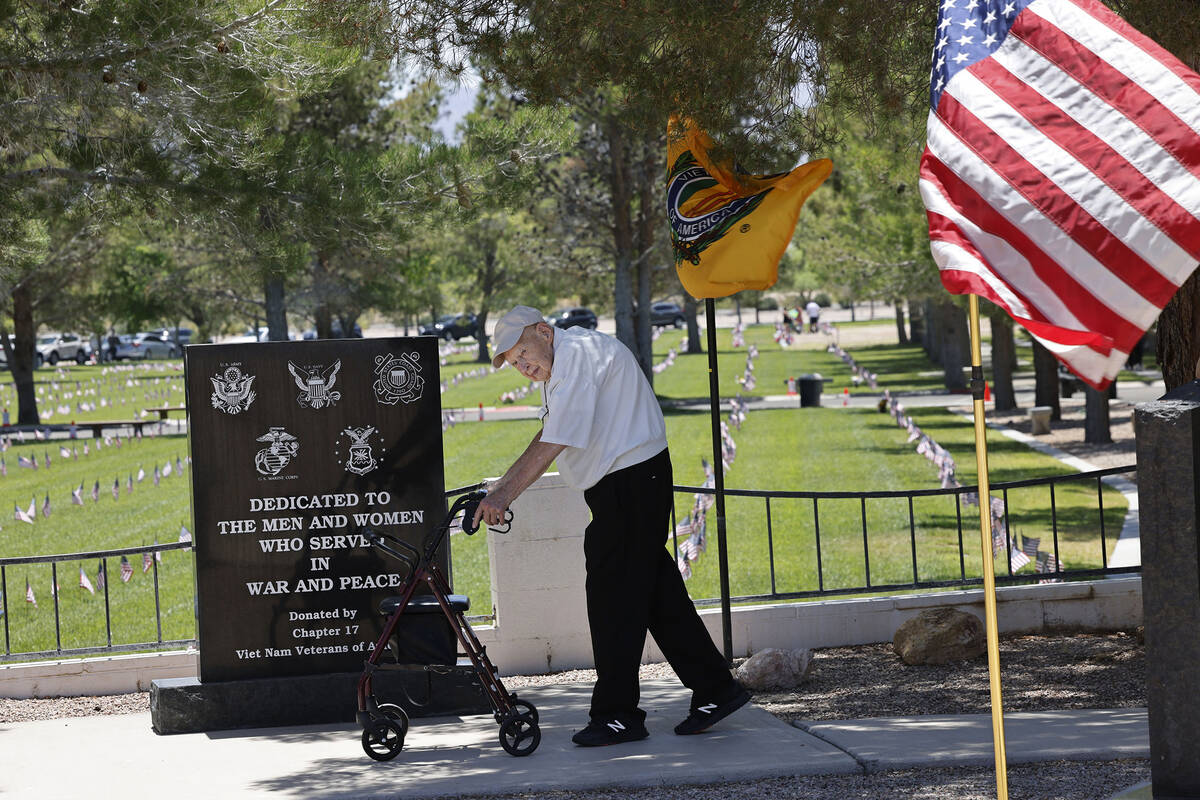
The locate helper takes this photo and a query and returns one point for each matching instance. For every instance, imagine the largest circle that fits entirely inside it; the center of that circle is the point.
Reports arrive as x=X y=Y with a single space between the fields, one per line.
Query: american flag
x=116 y=488
x=20 y=515
x=1029 y=545
x=141 y=476
x=84 y=583
x=126 y=570
x=147 y=562
x=184 y=534
x=46 y=507
x=100 y=573
x=96 y=492
x=29 y=598
x=1062 y=172
x=77 y=495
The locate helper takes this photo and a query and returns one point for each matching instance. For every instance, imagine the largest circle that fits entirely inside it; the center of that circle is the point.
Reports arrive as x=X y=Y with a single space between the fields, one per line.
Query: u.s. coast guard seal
x=398 y=378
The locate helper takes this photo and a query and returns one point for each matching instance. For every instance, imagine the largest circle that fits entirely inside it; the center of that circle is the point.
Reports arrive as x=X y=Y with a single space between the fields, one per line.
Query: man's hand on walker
x=491 y=509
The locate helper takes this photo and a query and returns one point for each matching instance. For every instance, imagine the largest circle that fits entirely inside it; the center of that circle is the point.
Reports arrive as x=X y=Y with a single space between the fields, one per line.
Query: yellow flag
x=729 y=229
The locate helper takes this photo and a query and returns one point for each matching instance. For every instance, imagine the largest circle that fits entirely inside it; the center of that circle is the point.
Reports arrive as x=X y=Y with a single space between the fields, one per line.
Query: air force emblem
x=398 y=378
x=316 y=385
x=360 y=459
x=231 y=391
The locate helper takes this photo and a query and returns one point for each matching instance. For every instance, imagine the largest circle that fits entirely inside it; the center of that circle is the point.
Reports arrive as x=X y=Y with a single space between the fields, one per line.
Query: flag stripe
x=1121 y=176
x=1127 y=69
x=1039 y=277
x=1062 y=190
x=1155 y=162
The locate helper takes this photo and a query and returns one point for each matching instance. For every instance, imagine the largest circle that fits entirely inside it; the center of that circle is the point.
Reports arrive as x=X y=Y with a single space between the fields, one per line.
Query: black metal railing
x=820 y=586
x=103 y=556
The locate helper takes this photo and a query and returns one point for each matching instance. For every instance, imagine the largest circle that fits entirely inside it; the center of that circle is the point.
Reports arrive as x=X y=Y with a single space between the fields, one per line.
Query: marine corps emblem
x=231 y=391
x=316 y=385
x=281 y=448
x=360 y=459
x=398 y=378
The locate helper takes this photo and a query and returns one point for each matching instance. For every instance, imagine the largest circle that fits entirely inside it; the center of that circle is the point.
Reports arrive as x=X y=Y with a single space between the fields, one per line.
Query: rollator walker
x=386 y=724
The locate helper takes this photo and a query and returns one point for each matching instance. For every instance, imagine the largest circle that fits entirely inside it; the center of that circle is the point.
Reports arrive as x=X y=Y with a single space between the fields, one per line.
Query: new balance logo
x=708 y=709
x=616 y=726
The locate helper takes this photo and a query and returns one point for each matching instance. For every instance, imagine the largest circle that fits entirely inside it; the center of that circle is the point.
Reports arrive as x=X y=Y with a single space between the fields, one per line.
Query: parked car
x=452 y=326
x=572 y=317
x=54 y=347
x=145 y=345
x=666 y=313
x=169 y=335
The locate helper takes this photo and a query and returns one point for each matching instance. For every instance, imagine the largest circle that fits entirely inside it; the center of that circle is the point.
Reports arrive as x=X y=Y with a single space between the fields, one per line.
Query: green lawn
x=822 y=449
x=67 y=391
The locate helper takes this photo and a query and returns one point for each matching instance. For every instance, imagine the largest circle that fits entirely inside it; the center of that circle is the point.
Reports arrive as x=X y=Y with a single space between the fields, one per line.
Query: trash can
x=810 y=390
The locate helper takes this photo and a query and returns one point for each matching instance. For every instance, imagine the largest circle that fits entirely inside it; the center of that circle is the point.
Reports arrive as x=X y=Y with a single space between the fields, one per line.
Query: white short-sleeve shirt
x=598 y=403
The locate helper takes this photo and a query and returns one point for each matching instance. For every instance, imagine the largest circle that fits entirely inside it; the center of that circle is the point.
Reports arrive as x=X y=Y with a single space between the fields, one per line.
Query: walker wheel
x=383 y=739
x=519 y=736
x=396 y=714
x=526 y=709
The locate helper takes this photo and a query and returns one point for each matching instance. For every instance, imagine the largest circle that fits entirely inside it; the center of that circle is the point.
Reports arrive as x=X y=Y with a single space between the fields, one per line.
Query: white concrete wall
x=95 y=676
x=537 y=576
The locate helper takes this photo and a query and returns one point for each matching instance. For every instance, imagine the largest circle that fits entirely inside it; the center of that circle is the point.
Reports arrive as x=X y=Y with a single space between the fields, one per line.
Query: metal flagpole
x=985 y=538
x=714 y=401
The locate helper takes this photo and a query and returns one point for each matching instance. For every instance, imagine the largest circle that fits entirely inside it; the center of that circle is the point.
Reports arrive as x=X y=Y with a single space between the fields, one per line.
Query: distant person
x=791 y=318
x=603 y=424
x=114 y=342
x=814 y=315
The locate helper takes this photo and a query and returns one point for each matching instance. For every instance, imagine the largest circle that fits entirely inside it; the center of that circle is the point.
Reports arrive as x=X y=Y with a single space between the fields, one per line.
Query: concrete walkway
x=462 y=756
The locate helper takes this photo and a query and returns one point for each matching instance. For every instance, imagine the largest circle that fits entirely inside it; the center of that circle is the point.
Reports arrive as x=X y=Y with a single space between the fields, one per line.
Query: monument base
x=184 y=705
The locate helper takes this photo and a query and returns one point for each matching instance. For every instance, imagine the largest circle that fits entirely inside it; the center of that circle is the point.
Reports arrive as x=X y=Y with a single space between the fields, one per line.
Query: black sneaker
x=705 y=715
x=610 y=730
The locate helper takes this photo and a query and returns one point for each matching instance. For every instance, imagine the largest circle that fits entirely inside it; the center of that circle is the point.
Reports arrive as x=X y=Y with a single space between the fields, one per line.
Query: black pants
x=633 y=585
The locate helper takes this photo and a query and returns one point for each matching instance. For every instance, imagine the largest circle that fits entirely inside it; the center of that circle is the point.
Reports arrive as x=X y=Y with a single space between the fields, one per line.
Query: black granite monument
x=296 y=448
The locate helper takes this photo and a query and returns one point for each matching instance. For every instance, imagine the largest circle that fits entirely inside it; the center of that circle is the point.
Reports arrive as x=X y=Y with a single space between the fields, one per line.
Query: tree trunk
x=932 y=340
x=690 y=308
x=1003 y=347
x=323 y=313
x=488 y=279
x=277 y=330
x=1095 y=423
x=1045 y=368
x=901 y=332
x=954 y=355
x=1178 y=348
x=916 y=321
x=21 y=362
x=648 y=178
x=620 y=179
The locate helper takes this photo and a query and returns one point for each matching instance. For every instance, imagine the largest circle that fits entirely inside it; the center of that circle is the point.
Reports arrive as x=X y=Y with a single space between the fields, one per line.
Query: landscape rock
x=772 y=669
x=939 y=636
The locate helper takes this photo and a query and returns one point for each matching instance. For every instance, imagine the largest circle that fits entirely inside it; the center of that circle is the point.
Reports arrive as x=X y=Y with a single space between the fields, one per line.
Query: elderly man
x=602 y=422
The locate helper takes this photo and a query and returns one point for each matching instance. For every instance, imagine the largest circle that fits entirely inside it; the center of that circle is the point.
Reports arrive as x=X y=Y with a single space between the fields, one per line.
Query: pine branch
x=99 y=59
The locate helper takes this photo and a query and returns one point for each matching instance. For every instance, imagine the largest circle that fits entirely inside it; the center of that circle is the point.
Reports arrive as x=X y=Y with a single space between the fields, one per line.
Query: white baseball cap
x=509 y=330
